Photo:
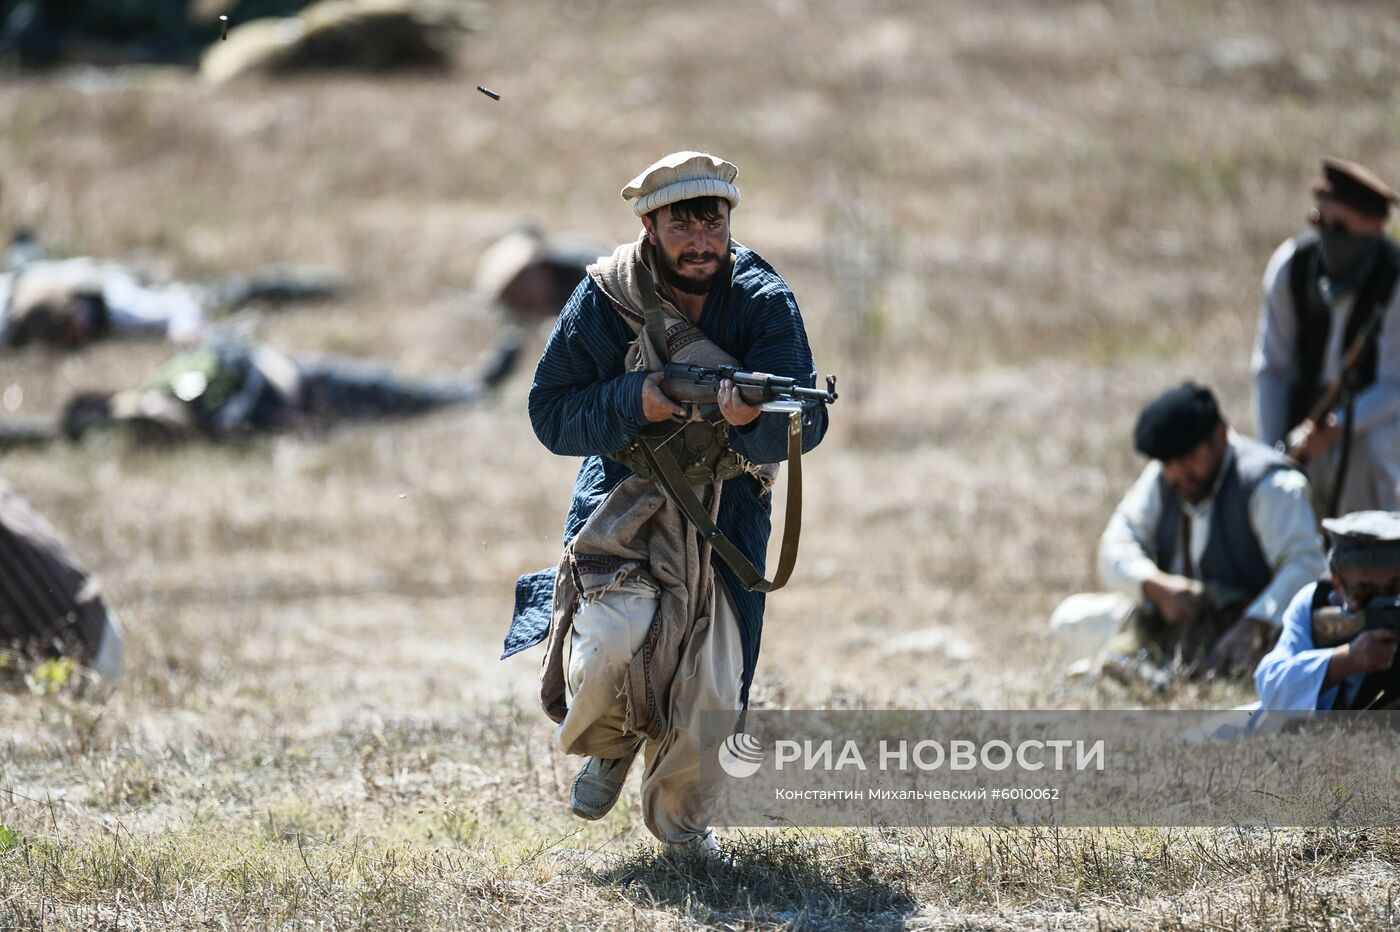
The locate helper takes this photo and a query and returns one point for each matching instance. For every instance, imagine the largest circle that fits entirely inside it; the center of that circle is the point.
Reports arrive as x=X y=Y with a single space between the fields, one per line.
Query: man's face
x=1193 y=473
x=692 y=251
x=1358 y=585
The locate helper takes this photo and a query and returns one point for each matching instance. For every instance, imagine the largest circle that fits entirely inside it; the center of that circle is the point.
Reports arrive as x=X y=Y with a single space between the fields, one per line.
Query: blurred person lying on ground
x=49 y=606
x=229 y=388
x=655 y=620
x=1322 y=292
x=1337 y=649
x=69 y=303
x=1204 y=552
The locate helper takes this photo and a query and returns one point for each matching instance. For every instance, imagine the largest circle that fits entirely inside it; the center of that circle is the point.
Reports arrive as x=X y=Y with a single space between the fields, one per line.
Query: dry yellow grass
x=1007 y=224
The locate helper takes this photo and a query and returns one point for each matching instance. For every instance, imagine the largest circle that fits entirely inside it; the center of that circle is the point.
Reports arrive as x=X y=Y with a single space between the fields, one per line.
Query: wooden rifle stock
x=1337 y=388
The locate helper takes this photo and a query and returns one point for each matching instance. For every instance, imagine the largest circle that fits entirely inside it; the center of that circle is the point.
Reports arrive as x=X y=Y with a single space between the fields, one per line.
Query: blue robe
x=583 y=403
x=1290 y=677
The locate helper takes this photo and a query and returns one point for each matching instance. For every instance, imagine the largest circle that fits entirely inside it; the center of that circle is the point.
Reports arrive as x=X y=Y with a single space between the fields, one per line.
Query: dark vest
x=1315 y=318
x=1233 y=556
x=1373 y=685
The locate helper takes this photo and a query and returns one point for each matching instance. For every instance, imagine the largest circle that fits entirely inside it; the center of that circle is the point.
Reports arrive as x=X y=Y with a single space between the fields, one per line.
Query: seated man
x=1337 y=649
x=1204 y=552
x=49 y=605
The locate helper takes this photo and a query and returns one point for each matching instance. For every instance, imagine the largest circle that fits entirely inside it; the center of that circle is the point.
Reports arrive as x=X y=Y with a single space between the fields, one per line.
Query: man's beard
x=699 y=286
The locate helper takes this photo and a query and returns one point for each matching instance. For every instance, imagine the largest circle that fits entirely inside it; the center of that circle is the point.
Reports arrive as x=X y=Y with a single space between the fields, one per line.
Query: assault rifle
x=1333 y=626
x=699 y=385
x=1337 y=388
x=1341 y=390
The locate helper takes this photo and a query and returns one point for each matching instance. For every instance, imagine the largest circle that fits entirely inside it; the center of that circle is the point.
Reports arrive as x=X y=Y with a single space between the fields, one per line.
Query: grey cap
x=1364 y=538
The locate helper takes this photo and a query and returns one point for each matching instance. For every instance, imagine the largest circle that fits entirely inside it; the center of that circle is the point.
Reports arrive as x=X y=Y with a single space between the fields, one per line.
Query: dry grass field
x=1008 y=224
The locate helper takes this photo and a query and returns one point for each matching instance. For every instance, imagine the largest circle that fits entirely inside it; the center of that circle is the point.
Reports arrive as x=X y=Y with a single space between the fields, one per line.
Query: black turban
x=1177 y=422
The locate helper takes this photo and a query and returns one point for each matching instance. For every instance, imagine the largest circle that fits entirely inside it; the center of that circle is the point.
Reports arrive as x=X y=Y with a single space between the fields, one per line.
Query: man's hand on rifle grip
x=1372 y=651
x=657 y=406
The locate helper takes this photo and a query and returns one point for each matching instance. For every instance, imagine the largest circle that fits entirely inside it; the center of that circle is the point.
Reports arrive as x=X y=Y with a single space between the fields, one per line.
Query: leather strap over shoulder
x=653 y=321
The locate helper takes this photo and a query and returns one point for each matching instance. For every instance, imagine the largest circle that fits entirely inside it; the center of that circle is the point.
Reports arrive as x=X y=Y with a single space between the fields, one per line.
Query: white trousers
x=608 y=629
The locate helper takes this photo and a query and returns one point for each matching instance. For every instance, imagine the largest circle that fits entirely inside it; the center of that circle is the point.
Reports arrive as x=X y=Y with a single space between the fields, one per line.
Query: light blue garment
x=1290 y=677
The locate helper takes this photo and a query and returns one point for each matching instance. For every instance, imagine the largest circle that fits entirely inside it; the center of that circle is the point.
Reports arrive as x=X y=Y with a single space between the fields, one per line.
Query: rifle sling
x=668 y=475
x=1334 y=501
x=1340 y=390
x=1342 y=386
x=652 y=319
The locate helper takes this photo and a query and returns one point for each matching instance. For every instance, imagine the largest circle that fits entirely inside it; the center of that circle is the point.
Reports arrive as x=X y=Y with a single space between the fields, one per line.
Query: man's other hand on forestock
x=732 y=405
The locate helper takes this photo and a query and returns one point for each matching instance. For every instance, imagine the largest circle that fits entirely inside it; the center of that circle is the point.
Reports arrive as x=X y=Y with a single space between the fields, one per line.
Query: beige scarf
x=638 y=530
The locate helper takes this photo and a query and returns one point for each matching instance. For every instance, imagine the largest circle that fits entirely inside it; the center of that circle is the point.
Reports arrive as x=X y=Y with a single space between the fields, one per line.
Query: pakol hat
x=1364 y=538
x=1175 y=423
x=679 y=177
x=1355 y=186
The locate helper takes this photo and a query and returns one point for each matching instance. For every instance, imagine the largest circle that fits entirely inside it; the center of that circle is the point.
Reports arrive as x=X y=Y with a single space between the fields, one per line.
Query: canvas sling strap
x=667 y=473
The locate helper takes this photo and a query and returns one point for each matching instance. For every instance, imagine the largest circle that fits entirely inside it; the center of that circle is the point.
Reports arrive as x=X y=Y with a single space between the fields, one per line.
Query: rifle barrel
x=774 y=387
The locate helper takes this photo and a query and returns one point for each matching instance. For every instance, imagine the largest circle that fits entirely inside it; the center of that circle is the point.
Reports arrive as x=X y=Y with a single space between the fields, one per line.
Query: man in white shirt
x=1204 y=552
x=1328 y=292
